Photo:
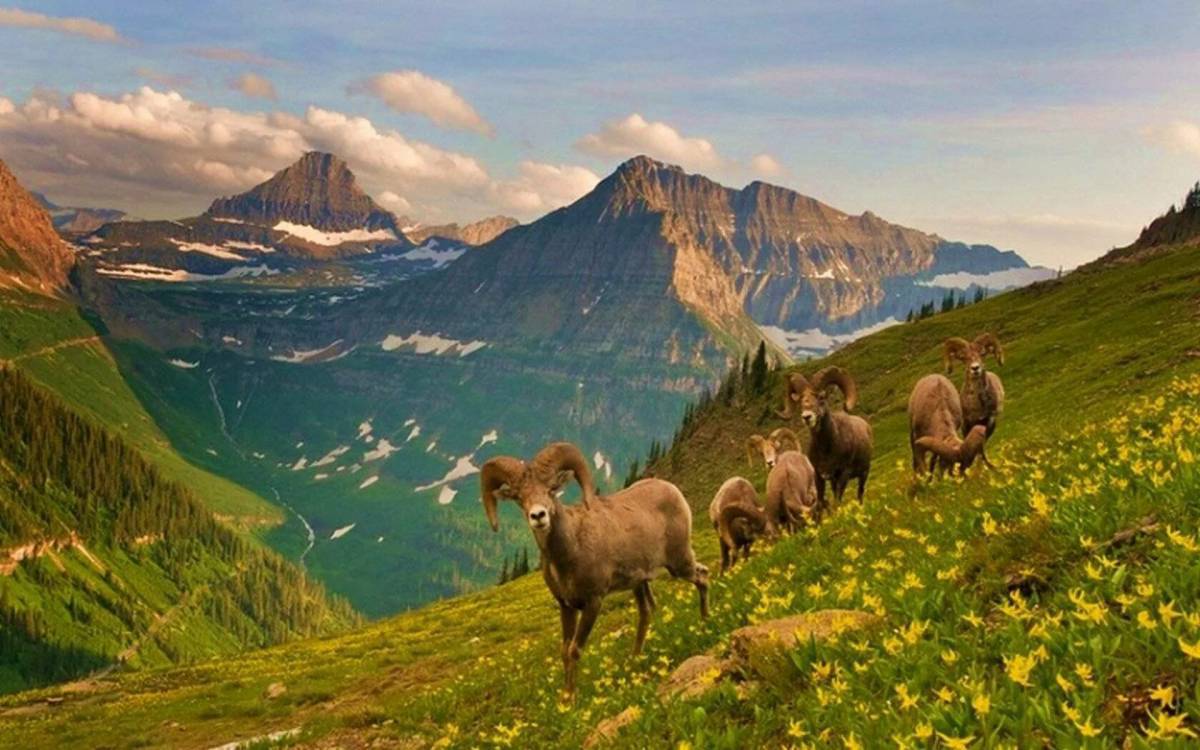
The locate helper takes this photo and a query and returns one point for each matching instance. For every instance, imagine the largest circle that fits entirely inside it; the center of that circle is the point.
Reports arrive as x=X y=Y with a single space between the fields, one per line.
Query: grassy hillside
x=50 y=341
x=1016 y=611
x=103 y=560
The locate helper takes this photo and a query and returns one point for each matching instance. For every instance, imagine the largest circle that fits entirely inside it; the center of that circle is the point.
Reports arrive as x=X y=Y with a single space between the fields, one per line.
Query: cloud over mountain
x=635 y=134
x=254 y=85
x=413 y=92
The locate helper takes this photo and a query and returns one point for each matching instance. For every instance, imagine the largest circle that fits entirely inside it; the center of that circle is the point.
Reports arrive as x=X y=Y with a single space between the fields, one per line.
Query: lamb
x=934 y=412
x=842 y=443
x=952 y=452
x=982 y=391
x=603 y=544
x=738 y=530
x=738 y=527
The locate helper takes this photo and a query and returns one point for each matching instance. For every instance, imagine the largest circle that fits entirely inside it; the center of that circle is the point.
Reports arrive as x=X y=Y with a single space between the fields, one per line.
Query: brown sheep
x=738 y=527
x=735 y=491
x=934 y=412
x=604 y=544
x=982 y=391
x=842 y=443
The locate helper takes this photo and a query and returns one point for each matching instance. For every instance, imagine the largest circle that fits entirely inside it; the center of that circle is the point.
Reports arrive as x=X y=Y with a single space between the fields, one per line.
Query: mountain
x=309 y=213
x=73 y=221
x=104 y=561
x=475 y=233
x=32 y=255
x=1001 y=596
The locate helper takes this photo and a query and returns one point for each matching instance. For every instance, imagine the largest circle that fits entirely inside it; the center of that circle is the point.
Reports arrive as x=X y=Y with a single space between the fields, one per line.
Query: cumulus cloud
x=159 y=148
x=233 y=55
x=541 y=187
x=254 y=85
x=1178 y=136
x=6 y=107
x=635 y=135
x=85 y=27
x=766 y=165
x=413 y=92
x=397 y=204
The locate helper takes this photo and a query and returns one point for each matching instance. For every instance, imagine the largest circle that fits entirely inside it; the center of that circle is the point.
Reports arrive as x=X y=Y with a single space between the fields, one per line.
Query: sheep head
x=971 y=353
x=812 y=395
x=535 y=486
x=756 y=446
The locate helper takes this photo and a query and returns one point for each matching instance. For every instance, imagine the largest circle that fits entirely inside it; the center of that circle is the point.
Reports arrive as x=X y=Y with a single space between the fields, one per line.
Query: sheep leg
x=569 y=618
x=587 y=619
x=862 y=484
x=820 y=480
x=642 y=594
x=725 y=556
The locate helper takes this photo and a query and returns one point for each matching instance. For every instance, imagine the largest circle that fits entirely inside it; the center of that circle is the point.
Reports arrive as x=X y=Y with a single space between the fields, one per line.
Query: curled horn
x=839 y=377
x=987 y=343
x=947 y=449
x=558 y=456
x=792 y=388
x=783 y=432
x=754 y=448
x=495 y=473
x=954 y=348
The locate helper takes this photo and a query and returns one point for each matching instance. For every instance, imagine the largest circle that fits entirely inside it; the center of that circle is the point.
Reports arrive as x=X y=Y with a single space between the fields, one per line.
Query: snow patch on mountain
x=183 y=364
x=297 y=357
x=997 y=280
x=382 y=449
x=435 y=344
x=463 y=467
x=201 y=247
x=429 y=252
x=332 y=239
x=815 y=341
x=339 y=533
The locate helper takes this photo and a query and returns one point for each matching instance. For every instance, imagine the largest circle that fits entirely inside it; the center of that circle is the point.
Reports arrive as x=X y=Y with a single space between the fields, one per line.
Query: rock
x=274 y=690
x=755 y=647
x=31 y=252
x=694 y=677
x=607 y=730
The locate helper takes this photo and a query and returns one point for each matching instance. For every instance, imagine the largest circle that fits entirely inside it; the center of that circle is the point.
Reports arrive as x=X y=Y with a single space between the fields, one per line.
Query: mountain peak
x=318 y=191
x=30 y=250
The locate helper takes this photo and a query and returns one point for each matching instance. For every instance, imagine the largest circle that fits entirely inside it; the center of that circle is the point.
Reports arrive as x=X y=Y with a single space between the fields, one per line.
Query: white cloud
x=1178 y=136
x=543 y=187
x=413 y=92
x=254 y=85
x=167 y=80
x=635 y=135
x=766 y=165
x=76 y=26
x=6 y=107
x=393 y=202
x=152 y=147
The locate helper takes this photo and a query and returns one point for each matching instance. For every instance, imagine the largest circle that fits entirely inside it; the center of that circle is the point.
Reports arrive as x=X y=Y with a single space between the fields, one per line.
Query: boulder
x=694 y=677
x=607 y=730
x=755 y=648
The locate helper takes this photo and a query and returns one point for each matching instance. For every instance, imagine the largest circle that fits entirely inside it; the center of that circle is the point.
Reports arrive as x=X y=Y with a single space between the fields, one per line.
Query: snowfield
x=183 y=365
x=446 y=496
x=435 y=344
x=368 y=482
x=332 y=239
x=297 y=357
x=200 y=247
x=147 y=272
x=382 y=449
x=814 y=340
x=339 y=533
x=463 y=467
x=429 y=252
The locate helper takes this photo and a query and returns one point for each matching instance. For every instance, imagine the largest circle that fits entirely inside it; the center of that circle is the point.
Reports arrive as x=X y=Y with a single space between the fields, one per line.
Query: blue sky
x=1056 y=129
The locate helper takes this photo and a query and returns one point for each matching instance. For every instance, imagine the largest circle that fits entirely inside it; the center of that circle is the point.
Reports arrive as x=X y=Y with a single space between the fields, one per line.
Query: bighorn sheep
x=982 y=392
x=601 y=545
x=791 y=493
x=842 y=443
x=740 y=529
x=952 y=452
x=934 y=412
x=738 y=526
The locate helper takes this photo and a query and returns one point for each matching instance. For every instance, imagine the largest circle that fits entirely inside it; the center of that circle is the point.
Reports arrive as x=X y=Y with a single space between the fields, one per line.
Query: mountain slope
x=475 y=233
x=31 y=254
x=102 y=560
x=935 y=561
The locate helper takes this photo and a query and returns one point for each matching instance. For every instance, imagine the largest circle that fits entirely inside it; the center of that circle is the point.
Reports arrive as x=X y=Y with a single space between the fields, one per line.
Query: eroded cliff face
x=32 y=255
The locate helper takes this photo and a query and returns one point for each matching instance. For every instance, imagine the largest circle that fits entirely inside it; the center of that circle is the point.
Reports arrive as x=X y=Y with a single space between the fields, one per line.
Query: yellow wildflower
x=1190 y=649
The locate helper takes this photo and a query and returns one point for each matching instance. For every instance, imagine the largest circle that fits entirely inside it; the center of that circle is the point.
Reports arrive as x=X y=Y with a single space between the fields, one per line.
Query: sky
x=1057 y=129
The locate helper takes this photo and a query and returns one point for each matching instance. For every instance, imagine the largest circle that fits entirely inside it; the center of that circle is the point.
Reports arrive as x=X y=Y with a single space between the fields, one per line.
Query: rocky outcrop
x=14 y=556
x=32 y=255
x=475 y=233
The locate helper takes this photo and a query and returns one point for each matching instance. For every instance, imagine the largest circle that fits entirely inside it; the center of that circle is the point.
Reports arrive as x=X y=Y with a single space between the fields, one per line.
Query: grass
x=1013 y=618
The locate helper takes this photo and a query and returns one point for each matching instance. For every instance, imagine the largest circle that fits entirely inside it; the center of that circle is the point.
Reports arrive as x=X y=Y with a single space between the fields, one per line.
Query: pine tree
x=759 y=369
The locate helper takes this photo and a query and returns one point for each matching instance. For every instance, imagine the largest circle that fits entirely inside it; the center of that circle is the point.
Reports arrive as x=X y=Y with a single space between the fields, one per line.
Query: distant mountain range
x=475 y=233
x=71 y=221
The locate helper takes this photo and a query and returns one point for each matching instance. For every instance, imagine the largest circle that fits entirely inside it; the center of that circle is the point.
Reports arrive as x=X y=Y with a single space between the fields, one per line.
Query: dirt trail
x=51 y=349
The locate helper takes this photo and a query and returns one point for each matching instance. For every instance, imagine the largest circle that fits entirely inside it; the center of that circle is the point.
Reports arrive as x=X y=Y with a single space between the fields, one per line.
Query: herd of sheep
x=621 y=541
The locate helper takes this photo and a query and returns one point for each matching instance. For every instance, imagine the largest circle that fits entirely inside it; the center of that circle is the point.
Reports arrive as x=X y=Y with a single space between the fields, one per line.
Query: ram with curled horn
x=601 y=545
x=982 y=391
x=842 y=443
